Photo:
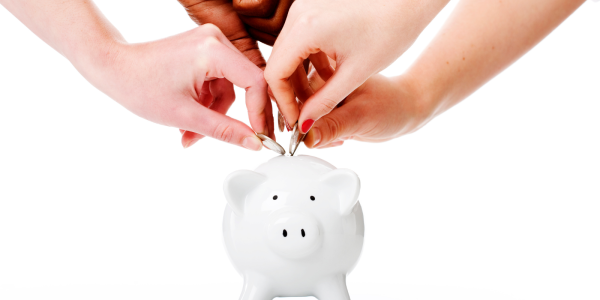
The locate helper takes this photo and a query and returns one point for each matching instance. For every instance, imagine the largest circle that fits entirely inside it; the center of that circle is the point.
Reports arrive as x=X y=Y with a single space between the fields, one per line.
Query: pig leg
x=256 y=288
x=332 y=288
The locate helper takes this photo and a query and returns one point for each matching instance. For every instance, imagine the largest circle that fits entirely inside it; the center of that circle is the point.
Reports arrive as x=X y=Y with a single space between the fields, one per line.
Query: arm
x=222 y=14
x=363 y=37
x=479 y=40
x=183 y=81
x=76 y=29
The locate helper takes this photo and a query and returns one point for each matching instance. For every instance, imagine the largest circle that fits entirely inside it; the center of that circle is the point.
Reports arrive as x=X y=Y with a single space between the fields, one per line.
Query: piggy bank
x=293 y=227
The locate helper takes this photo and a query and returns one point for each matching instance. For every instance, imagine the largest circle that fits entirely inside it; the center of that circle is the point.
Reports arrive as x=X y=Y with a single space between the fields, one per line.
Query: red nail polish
x=307 y=125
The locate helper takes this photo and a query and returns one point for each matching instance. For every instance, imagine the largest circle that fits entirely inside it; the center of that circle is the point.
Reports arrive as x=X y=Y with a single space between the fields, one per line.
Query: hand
x=264 y=19
x=185 y=81
x=363 y=37
x=379 y=110
x=222 y=14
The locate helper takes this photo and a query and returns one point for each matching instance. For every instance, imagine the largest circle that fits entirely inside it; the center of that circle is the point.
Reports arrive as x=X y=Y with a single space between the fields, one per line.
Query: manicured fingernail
x=252 y=143
x=307 y=125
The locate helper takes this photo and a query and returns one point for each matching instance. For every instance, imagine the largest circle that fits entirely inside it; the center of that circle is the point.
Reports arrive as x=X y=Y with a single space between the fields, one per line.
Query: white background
x=499 y=198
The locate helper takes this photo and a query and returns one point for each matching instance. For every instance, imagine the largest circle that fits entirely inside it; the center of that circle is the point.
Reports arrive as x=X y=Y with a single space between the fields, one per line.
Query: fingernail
x=307 y=125
x=313 y=138
x=317 y=135
x=188 y=143
x=252 y=143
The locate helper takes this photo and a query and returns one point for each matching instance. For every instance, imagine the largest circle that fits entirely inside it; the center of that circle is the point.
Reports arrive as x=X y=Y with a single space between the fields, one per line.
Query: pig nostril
x=284 y=233
x=303 y=233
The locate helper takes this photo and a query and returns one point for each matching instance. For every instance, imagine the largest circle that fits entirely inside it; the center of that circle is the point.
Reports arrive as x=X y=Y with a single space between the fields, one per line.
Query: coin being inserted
x=270 y=144
x=297 y=138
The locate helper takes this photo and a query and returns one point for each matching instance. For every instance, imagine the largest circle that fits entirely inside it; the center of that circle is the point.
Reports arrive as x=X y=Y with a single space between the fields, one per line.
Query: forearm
x=76 y=29
x=479 y=40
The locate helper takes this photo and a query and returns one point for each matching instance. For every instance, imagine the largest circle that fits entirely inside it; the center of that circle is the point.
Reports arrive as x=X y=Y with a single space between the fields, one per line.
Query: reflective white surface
x=293 y=227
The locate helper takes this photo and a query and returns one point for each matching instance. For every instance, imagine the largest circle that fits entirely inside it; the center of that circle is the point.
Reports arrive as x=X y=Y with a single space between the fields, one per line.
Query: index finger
x=288 y=53
x=241 y=72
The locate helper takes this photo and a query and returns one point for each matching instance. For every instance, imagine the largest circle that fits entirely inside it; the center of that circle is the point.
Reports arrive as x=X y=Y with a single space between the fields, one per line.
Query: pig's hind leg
x=256 y=288
x=332 y=288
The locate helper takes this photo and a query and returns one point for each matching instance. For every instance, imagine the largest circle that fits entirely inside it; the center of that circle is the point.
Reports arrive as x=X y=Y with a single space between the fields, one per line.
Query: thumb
x=340 y=124
x=341 y=84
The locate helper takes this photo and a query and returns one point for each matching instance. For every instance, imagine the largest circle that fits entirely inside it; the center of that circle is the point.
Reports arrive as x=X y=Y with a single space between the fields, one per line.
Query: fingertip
x=190 y=138
x=307 y=125
x=252 y=143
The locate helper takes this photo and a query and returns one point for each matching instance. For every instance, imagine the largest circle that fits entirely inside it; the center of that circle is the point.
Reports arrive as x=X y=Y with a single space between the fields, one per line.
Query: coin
x=297 y=138
x=280 y=121
x=270 y=144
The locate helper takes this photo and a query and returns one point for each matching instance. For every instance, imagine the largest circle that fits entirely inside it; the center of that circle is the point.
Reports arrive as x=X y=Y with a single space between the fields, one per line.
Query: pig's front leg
x=332 y=288
x=256 y=287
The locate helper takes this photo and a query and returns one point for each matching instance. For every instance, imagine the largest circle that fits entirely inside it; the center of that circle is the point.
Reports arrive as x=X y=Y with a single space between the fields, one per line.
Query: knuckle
x=210 y=29
x=308 y=20
x=333 y=128
x=326 y=105
x=269 y=75
x=258 y=79
x=208 y=45
x=223 y=132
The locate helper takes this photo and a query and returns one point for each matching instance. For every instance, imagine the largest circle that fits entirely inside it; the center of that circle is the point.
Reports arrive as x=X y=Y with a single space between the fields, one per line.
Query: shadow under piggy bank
x=293 y=228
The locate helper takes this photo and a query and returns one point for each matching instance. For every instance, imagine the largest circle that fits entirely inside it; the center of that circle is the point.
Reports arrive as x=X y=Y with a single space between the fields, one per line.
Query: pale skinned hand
x=185 y=81
x=363 y=37
x=379 y=110
x=466 y=53
x=242 y=22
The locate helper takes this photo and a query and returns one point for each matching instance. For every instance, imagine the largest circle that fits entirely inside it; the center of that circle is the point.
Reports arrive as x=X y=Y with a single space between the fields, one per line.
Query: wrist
x=95 y=52
x=102 y=58
x=426 y=100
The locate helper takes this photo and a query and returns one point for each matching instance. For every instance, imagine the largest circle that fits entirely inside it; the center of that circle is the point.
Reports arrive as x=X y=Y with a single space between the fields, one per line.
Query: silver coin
x=270 y=144
x=280 y=122
x=297 y=138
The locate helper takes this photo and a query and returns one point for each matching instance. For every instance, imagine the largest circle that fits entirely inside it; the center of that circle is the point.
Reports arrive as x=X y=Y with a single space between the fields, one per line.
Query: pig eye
x=275 y=197
x=312 y=198
x=284 y=233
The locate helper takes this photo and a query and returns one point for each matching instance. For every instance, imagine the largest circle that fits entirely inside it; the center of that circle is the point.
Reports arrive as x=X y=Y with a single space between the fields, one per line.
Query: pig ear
x=238 y=185
x=347 y=186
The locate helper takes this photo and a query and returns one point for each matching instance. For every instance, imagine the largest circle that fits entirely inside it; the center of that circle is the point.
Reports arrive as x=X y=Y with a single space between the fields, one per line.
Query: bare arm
x=182 y=81
x=76 y=29
x=480 y=39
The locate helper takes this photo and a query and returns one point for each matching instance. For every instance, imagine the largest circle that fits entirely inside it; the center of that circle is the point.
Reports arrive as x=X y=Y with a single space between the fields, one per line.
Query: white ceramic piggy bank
x=293 y=228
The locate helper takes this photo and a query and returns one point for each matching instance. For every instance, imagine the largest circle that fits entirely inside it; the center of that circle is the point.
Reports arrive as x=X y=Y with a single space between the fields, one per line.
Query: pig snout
x=294 y=235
